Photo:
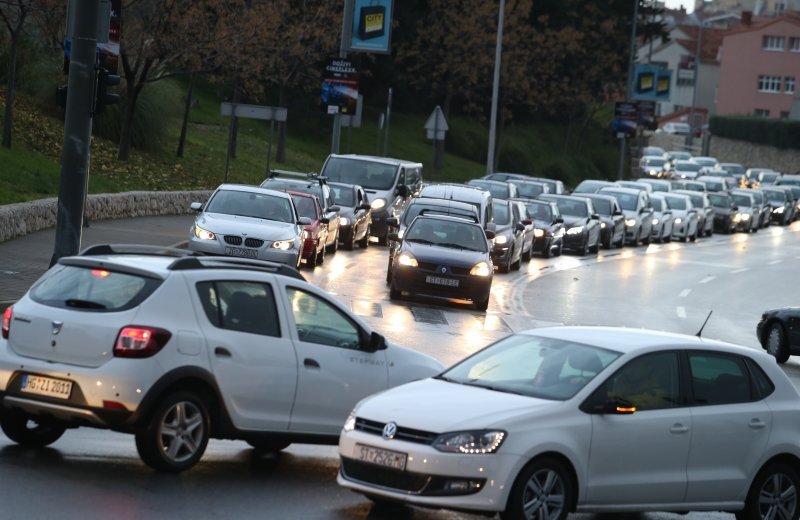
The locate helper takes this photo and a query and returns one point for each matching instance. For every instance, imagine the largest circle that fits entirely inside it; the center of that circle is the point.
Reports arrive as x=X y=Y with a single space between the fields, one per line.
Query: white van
x=389 y=184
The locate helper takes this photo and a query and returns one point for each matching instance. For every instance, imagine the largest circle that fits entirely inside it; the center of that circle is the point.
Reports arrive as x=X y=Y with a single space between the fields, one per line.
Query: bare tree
x=14 y=13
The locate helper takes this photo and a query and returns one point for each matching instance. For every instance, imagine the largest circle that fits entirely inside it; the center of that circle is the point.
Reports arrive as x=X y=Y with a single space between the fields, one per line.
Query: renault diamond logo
x=444 y=270
x=389 y=431
x=57 y=326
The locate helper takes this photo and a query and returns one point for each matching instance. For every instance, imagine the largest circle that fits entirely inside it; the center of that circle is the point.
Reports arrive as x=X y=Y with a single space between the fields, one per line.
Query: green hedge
x=779 y=133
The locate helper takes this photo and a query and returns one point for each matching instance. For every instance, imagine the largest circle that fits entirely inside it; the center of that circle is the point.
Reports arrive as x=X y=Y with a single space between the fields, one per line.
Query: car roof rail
x=210 y=262
x=445 y=213
x=135 y=249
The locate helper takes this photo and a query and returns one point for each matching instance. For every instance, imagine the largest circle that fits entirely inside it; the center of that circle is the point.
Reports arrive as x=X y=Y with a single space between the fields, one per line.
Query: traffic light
x=102 y=96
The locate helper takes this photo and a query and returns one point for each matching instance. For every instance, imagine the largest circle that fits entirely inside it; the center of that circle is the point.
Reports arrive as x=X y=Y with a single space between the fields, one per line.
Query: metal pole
x=498 y=49
x=621 y=170
x=269 y=145
x=77 y=130
x=690 y=137
x=629 y=91
x=347 y=26
x=388 y=119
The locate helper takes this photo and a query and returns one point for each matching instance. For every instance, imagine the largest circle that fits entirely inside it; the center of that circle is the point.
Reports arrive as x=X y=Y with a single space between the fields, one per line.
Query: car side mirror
x=376 y=342
x=489 y=234
x=735 y=208
x=403 y=190
x=304 y=221
x=196 y=206
x=324 y=220
x=364 y=206
x=617 y=213
x=392 y=222
x=642 y=210
x=559 y=220
x=491 y=226
x=334 y=208
x=519 y=227
x=527 y=222
x=595 y=216
x=393 y=237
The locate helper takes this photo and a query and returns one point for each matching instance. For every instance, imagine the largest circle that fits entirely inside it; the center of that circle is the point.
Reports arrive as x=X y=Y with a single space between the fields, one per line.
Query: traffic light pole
x=77 y=130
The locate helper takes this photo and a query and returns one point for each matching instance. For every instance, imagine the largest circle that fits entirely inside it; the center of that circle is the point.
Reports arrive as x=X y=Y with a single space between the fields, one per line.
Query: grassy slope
x=31 y=167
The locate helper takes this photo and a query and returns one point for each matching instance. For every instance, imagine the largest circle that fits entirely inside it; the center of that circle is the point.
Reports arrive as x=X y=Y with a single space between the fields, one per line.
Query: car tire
x=776 y=487
x=526 y=257
x=394 y=293
x=364 y=242
x=382 y=241
x=775 y=342
x=350 y=241
x=335 y=246
x=546 y=484
x=507 y=266
x=584 y=250
x=28 y=431
x=268 y=445
x=183 y=419
x=314 y=260
x=560 y=250
x=516 y=265
x=483 y=304
x=693 y=238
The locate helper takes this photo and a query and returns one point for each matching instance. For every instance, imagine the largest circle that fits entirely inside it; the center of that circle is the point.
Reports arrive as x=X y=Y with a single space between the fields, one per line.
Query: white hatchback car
x=179 y=349
x=590 y=419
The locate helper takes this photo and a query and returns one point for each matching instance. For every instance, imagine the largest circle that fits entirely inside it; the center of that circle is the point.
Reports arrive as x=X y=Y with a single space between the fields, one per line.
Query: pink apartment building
x=760 y=68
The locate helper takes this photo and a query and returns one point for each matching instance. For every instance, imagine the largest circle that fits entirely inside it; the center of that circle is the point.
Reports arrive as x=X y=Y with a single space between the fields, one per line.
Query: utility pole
x=347 y=28
x=77 y=129
x=698 y=50
x=495 y=88
x=628 y=86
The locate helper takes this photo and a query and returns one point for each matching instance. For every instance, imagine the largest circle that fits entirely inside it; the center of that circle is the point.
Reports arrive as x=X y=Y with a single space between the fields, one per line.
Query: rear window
x=87 y=289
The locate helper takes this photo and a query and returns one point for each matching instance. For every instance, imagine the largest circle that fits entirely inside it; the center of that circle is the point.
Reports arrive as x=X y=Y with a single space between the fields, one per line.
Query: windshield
x=757 y=197
x=528 y=190
x=697 y=200
x=305 y=206
x=776 y=196
x=251 y=204
x=573 y=208
x=499 y=191
x=415 y=209
x=602 y=206
x=369 y=174
x=680 y=155
x=703 y=161
x=343 y=196
x=650 y=161
x=658 y=205
x=532 y=366
x=719 y=201
x=448 y=233
x=676 y=202
x=687 y=167
x=540 y=212
x=769 y=176
x=742 y=200
x=500 y=212
x=733 y=168
x=626 y=201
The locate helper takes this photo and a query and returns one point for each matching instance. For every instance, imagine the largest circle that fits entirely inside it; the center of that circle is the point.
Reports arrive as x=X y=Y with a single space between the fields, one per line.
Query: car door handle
x=310 y=363
x=756 y=424
x=678 y=428
x=222 y=352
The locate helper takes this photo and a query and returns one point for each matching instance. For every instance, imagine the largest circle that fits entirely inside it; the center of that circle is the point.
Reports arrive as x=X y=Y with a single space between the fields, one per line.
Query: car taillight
x=140 y=342
x=7 y=322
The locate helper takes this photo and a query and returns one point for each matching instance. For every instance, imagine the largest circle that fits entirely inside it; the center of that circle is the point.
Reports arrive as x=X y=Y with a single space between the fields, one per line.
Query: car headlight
x=655 y=221
x=203 y=234
x=478 y=442
x=538 y=233
x=653 y=172
x=577 y=230
x=602 y=225
x=745 y=216
x=407 y=259
x=401 y=233
x=481 y=269
x=699 y=217
x=283 y=245
x=350 y=423
x=378 y=204
x=343 y=221
x=778 y=210
x=630 y=222
x=559 y=233
x=678 y=220
x=737 y=217
x=499 y=240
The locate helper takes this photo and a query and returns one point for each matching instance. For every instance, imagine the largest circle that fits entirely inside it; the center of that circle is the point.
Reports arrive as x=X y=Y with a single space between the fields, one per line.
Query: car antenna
x=699 y=332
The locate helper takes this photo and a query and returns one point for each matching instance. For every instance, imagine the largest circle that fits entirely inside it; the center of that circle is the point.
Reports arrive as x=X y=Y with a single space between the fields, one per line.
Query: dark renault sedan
x=443 y=257
x=582 y=223
x=779 y=332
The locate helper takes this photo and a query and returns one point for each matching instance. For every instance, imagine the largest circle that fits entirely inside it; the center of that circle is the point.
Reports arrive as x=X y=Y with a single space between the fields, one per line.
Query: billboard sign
x=372 y=26
x=626 y=118
x=686 y=68
x=340 y=87
x=651 y=83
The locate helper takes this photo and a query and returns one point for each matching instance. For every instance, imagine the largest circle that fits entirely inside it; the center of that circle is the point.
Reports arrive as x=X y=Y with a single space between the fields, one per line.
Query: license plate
x=239 y=251
x=377 y=456
x=438 y=280
x=46 y=386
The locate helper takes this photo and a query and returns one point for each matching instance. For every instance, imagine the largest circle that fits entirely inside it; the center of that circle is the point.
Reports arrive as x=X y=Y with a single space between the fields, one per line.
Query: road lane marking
x=707 y=279
x=681 y=312
x=737 y=271
x=774 y=262
x=685 y=293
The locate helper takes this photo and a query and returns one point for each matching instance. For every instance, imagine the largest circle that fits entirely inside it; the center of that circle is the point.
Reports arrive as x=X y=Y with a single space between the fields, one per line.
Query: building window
x=761 y=112
x=769 y=83
x=794 y=44
x=785 y=114
x=780 y=7
x=788 y=85
x=773 y=43
x=683 y=82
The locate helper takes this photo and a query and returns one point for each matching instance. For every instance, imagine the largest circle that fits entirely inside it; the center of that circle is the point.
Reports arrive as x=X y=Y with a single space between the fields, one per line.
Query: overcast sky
x=674 y=4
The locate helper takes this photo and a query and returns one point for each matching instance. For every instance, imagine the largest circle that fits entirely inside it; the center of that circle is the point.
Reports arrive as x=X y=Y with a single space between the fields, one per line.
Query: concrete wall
x=755 y=155
x=26 y=217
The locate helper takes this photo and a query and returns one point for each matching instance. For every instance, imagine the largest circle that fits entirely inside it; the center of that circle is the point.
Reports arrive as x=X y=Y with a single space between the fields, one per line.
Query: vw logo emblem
x=57 y=326
x=389 y=431
x=444 y=270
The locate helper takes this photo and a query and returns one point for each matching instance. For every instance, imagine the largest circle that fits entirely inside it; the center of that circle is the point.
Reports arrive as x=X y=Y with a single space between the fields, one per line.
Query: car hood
x=346 y=212
x=629 y=213
x=445 y=255
x=224 y=224
x=572 y=221
x=438 y=406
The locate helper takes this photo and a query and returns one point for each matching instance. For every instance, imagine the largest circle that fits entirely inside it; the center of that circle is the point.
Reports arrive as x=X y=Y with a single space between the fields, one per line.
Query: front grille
x=403 y=434
x=436 y=268
x=233 y=240
x=253 y=242
x=384 y=477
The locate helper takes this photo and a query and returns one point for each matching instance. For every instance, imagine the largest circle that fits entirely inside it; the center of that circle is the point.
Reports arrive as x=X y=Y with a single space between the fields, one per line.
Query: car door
x=362 y=216
x=730 y=427
x=335 y=370
x=250 y=351
x=640 y=457
x=331 y=211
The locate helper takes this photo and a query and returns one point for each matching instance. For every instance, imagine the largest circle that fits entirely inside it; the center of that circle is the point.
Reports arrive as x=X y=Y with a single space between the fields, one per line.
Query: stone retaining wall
x=754 y=155
x=26 y=217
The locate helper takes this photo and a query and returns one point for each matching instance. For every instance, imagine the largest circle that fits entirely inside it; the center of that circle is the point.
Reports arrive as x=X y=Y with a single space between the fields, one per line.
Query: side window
x=402 y=179
x=719 y=379
x=761 y=382
x=328 y=197
x=240 y=306
x=650 y=382
x=317 y=321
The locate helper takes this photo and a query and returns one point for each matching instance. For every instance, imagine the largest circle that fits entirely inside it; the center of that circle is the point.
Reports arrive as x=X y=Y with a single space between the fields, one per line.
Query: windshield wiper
x=421 y=241
x=494 y=388
x=455 y=246
x=84 y=304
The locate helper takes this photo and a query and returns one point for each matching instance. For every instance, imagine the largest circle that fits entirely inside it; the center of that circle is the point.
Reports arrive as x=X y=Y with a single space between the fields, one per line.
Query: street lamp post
x=628 y=86
x=690 y=137
x=495 y=88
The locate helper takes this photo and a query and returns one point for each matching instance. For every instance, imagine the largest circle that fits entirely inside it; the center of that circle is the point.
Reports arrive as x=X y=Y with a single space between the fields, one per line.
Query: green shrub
x=779 y=133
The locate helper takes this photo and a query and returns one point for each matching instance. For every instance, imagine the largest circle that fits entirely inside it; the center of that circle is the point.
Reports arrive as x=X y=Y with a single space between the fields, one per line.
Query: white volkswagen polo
x=555 y=420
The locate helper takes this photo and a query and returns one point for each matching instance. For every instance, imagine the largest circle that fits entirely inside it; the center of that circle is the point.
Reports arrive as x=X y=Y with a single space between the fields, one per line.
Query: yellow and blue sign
x=651 y=83
x=372 y=26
